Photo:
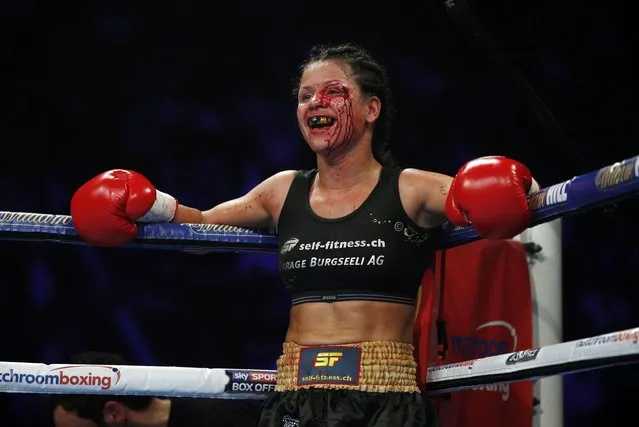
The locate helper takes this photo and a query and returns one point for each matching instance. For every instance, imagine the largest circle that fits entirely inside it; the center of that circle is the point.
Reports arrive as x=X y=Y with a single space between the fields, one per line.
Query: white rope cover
x=39 y=378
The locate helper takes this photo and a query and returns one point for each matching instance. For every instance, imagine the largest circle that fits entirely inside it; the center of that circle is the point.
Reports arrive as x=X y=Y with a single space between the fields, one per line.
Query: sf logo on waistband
x=327 y=359
x=329 y=365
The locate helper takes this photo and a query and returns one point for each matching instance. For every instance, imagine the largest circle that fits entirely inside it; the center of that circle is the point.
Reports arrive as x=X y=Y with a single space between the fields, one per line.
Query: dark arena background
x=197 y=96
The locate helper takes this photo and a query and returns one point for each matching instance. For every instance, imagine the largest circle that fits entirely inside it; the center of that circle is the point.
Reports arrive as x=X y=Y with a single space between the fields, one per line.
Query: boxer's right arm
x=260 y=207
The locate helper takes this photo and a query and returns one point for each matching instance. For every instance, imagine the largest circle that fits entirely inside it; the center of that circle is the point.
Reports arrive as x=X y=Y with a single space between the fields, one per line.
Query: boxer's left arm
x=435 y=198
x=427 y=192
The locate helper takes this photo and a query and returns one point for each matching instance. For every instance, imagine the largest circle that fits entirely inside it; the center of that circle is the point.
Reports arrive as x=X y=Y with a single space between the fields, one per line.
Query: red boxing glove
x=105 y=208
x=491 y=194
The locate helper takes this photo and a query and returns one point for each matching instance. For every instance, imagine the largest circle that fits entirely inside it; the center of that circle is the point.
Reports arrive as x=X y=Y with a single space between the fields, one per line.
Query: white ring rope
x=573 y=356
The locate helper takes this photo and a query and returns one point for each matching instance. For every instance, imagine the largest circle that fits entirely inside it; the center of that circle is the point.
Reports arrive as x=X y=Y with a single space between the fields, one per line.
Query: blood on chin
x=328 y=150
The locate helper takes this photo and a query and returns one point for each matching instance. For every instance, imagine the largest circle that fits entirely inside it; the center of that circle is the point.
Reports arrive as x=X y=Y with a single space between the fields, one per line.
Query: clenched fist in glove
x=106 y=208
x=491 y=195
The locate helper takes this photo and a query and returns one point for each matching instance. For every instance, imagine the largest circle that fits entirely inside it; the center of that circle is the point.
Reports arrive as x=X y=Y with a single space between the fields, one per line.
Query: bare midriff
x=350 y=322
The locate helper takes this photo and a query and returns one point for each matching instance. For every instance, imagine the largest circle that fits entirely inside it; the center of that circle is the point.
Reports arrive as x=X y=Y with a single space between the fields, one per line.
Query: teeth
x=320 y=121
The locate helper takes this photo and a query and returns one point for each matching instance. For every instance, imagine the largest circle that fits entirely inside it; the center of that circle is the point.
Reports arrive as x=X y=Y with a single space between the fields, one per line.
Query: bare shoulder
x=276 y=187
x=283 y=176
x=419 y=178
x=425 y=192
x=281 y=181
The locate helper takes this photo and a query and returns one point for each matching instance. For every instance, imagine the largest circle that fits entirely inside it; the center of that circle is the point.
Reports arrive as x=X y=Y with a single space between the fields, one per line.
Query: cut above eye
x=320 y=122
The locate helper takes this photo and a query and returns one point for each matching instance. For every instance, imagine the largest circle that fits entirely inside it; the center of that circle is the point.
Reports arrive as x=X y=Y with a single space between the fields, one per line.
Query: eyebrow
x=330 y=82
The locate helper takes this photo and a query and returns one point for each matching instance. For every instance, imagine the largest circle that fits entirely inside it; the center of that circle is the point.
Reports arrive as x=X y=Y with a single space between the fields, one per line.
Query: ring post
x=546 y=280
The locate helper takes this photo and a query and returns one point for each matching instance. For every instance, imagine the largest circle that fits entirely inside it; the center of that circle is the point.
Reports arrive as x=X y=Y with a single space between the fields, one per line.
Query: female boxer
x=355 y=236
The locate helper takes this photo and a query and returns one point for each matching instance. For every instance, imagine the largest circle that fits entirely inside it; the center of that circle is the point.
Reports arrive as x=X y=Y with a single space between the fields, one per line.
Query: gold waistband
x=384 y=366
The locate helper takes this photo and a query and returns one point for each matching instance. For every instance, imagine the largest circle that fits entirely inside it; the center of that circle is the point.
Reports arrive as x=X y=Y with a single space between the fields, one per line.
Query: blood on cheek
x=342 y=132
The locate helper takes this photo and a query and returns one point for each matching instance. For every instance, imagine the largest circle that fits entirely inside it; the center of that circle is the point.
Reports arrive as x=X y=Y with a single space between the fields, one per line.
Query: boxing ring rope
x=603 y=186
x=590 y=353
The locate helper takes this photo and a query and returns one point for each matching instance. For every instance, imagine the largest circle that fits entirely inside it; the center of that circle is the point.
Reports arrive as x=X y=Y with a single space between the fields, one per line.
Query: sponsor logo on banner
x=490 y=339
x=483 y=342
x=263 y=377
x=80 y=376
x=217 y=228
x=34 y=218
x=244 y=381
x=502 y=388
x=248 y=387
x=618 y=337
x=240 y=376
x=329 y=365
x=617 y=174
x=522 y=356
x=466 y=363
x=547 y=197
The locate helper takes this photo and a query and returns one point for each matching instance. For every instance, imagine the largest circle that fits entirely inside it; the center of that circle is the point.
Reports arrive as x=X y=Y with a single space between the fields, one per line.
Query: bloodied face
x=332 y=112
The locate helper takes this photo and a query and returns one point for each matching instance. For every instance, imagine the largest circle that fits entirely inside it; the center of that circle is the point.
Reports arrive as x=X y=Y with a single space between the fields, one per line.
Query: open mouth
x=318 y=122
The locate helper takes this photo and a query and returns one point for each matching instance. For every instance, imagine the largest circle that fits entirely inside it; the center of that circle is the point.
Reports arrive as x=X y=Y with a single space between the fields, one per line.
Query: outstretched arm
x=435 y=197
x=260 y=207
x=424 y=195
x=106 y=208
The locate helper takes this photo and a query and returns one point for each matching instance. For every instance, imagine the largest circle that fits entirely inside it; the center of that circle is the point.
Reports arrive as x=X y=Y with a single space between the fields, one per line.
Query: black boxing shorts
x=316 y=407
